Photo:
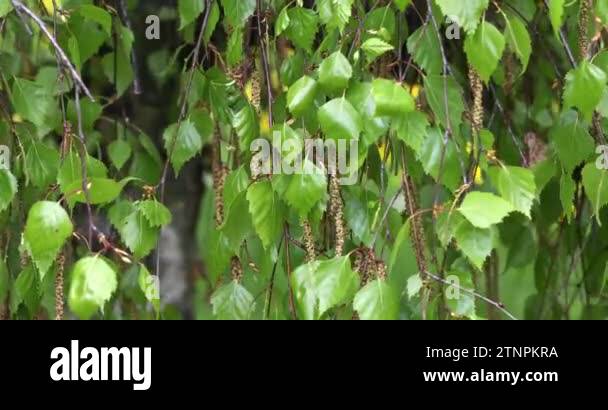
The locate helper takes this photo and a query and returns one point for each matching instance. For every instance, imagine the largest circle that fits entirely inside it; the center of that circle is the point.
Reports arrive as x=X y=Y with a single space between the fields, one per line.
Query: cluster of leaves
x=459 y=211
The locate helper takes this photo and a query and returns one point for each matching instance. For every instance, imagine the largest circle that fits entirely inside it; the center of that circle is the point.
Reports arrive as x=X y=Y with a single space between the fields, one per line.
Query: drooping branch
x=185 y=97
x=471 y=292
x=265 y=62
x=63 y=59
x=182 y=114
x=82 y=152
x=124 y=16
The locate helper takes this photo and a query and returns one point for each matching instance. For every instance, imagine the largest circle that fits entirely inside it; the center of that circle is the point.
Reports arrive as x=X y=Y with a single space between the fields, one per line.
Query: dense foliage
x=480 y=157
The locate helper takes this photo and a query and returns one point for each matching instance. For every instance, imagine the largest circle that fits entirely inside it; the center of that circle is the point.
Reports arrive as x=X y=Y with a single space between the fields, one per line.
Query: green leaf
x=414 y=285
x=339 y=120
x=321 y=285
x=93 y=282
x=556 y=14
x=5 y=8
x=378 y=300
x=245 y=124
x=475 y=243
x=282 y=22
x=234 y=49
x=411 y=128
x=380 y=22
x=232 y=302
x=304 y=189
x=516 y=185
x=41 y=164
x=70 y=173
x=392 y=100
x=86 y=39
x=149 y=286
x=124 y=71
x=484 y=49
x=335 y=13
x=484 y=209
x=601 y=11
x=301 y=95
x=238 y=11
x=375 y=47
x=518 y=39
x=335 y=72
x=595 y=182
x=571 y=140
x=119 y=152
x=186 y=143
x=425 y=49
x=33 y=102
x=361 y=97
x=402 y=4
x=101 y=191
x=236 y=182
x=584 y=88
x=237 y=222
x=434 y=86
x=156 y=213
x=265 y=211
x=567 y=192
x=204 y=124
x=302 y=28
x=98 y=15
x=47 y=228
x=26 y=290
x=138 y=234
x=90 y=113
x=214 y=18
x=189 y=10
x=8 y=188
x=358 y=214
x=465 y=13
x=431 y=158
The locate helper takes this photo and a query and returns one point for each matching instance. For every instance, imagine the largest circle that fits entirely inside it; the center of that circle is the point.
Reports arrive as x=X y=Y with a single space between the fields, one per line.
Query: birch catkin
x=59 y=304
x=583 y=27
x=219 y=177
x=337 y=211
x=309 y=241
x=477 y=108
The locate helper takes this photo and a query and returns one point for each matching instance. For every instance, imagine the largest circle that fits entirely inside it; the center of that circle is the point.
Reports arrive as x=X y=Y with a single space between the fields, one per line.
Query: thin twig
x=124 y=16
x=182 y=113
x=20 y=7
x=471 y=292
x=265 y=63
x=82 y=152
x=562 y=37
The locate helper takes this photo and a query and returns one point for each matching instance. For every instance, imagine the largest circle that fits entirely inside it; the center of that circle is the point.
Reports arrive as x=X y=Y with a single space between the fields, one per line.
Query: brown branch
x=82 y=152
x=124 y=16
x=63 y=59
x=473 y=293
x=182 y=113
x=195 y=60
x=265 y=63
